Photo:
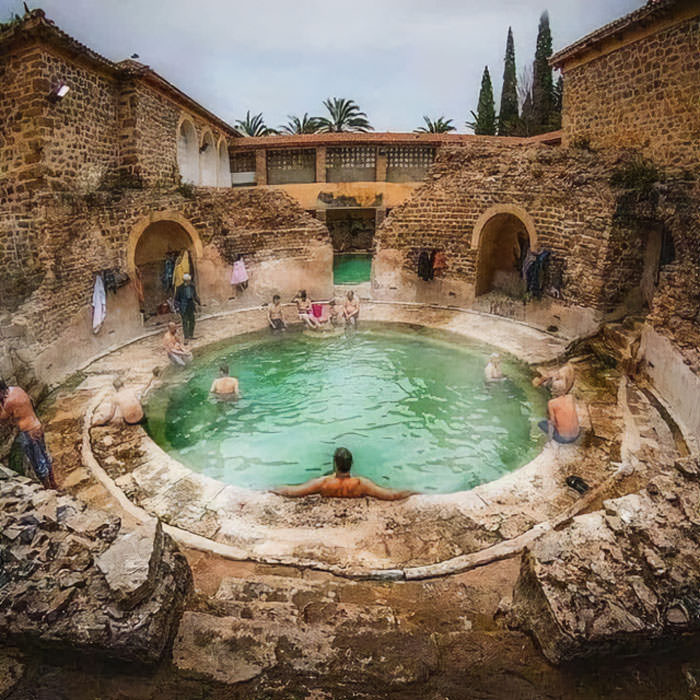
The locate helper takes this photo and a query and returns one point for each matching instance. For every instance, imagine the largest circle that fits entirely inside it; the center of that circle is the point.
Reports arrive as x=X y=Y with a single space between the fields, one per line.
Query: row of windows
x=200 y=160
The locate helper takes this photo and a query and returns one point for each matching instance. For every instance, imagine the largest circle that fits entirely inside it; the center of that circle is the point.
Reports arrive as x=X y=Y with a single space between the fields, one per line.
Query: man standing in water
x=351 y=309
x=342 y=484
x=185 y=299
x=16 y=408
x=225 y=385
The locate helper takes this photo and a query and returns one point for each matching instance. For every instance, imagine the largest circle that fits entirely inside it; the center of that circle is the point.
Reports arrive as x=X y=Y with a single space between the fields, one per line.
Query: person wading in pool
x=225 y=385
x=16 y=408
x=342 y=484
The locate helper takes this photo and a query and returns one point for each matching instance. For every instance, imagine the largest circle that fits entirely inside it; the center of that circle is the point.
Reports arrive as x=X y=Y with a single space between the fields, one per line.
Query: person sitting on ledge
x=351 y=309
x=304 y=309
x=274 y=315
x=124 y=405
x=225 y=385
x=176 y=352
x=560 y=381
x=342 y=484
x=562 y=425
x=17 y=409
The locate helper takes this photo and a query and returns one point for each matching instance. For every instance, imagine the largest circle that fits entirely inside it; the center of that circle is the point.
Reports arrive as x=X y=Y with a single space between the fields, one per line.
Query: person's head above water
x=494 y=357
x=223 y=370
x=342 y=460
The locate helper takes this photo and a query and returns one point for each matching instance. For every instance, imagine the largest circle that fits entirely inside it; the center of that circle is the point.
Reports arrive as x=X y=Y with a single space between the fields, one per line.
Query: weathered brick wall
x=643 y=95
x=74 y=237
x=565 y=191
x=81 y=150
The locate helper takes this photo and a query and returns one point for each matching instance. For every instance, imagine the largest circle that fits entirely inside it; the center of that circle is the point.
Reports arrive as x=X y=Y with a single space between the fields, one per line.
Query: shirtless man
x=351 y=309
x=304 y=310
x=274 y=315
x=342 y=484
x=16 y=408
x=124 y=405
x=493 y=371
x=176 y=352
x=225 y=385
x=563 y=425
x=559 y=380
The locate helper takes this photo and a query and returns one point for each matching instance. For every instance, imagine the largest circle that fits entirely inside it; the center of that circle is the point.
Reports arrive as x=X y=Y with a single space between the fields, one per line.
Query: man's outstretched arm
x=306 y=489
x=384 y=494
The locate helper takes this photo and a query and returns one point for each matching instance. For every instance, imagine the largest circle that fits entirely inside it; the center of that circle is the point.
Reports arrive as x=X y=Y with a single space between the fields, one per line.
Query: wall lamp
x=59 y=92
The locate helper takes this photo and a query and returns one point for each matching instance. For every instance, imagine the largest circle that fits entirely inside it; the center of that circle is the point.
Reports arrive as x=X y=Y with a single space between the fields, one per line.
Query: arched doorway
x=161 y=241
x=188 y=153
x=208 y=161
x=502 y=236
x=224 y=178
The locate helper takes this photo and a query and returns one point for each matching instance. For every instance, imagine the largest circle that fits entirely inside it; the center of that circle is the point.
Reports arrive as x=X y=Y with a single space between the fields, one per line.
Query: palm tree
x=253 y=125
x=439 y=126
x=303 y=125
x=345 y=115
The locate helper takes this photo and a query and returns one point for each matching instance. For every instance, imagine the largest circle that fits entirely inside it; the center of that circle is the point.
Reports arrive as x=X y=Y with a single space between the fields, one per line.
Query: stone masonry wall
x=565 y=191
x=643 y=95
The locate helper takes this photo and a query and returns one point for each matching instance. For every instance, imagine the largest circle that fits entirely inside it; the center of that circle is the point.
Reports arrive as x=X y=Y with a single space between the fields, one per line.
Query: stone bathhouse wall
x=562 y=195
x=642 y=93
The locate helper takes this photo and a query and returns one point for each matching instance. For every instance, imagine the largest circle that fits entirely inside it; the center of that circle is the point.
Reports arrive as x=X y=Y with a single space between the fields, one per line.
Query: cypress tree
x=508 y=115
x=485 y=118
x=558 y=99
x=542 y=84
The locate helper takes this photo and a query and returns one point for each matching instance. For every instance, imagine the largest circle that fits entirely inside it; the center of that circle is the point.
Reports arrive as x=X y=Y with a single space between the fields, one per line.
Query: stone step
x=277 y=589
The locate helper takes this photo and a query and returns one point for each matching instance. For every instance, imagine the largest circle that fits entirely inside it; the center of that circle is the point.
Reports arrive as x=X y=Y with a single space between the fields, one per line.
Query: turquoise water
x=411 y=405
x=352 y=268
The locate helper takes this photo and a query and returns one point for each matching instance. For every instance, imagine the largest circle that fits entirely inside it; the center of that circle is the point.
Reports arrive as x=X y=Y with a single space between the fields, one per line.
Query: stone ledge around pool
x=423 y=536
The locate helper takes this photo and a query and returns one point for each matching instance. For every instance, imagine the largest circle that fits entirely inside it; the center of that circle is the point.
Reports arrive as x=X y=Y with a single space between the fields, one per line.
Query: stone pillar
x=261 y=167
x=380 y=172
x=321 y=164
x=379 y=216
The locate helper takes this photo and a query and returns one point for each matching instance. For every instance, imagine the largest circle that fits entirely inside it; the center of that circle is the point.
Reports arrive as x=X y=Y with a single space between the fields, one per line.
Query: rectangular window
x=243 y=168
x=288 y=166
x=351 y=164
x=408 y=163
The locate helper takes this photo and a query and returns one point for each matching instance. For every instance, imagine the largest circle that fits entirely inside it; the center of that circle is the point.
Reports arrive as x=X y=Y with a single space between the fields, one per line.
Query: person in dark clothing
x=185 y=299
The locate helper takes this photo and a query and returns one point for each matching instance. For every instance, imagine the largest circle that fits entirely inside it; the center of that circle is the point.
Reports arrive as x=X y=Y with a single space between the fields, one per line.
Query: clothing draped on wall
x=425 y=266
x=239 y=274
x=183 y=266
x=535 y=273
x=99 y=303
x=168 y=271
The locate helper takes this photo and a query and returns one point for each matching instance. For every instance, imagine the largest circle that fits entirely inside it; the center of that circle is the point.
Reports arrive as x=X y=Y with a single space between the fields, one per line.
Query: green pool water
x=411 y=405
x=351 y=268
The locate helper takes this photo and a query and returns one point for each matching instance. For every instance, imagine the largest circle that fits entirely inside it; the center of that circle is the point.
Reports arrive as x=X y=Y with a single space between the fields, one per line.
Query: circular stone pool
x=410 y=403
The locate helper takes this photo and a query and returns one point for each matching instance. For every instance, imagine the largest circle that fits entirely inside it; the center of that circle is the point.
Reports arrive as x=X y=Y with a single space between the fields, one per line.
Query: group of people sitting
x=314 y=315
x=562 y=424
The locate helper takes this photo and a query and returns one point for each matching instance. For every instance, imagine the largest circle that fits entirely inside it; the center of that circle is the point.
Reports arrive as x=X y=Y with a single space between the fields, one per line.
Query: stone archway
x=208 y=161
x=150 y=242
x=501 y=236
x=224 y=174
x=188 y=152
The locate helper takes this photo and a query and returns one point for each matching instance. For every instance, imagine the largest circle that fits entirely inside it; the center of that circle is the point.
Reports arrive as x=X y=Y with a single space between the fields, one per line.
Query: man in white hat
x=493 y=372
x=185 y=299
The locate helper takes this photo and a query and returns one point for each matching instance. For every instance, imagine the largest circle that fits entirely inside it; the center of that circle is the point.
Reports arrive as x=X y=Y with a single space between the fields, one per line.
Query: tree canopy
x=343 y=115
x=438 y=126
x=508 y=114
x=484 y=120
x=252 y=125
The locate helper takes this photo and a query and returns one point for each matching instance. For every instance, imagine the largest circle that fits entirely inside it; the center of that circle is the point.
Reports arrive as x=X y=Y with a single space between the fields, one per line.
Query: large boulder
x=71 y=577
x=621 y=580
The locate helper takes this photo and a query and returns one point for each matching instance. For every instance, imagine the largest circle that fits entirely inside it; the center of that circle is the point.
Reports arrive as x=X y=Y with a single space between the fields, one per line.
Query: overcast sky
x=399 y=59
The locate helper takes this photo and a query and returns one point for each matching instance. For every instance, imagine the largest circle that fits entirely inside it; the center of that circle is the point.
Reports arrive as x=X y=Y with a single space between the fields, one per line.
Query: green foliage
x=343 y=115
x=186 y=189
x=437 y=126
x=13 y=21
x=637 y=179
x=484 y=120
x=300 y=125
x=508 y=115
x=546 y=117
x=253 y=125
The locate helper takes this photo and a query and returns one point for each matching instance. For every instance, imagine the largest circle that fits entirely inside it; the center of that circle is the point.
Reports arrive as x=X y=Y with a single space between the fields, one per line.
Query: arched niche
x=188 y=152
x=224 y=174
x=208 y=161
x=501 y=236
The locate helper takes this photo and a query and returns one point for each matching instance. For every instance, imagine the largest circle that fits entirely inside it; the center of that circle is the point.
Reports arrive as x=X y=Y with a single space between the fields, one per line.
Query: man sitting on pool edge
x=341 y=484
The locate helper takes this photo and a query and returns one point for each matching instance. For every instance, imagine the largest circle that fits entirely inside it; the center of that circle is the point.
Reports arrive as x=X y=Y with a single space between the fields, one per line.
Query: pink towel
x=317 y=310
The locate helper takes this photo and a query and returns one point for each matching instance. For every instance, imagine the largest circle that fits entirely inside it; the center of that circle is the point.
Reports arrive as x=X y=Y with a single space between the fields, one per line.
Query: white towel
x=99 y=304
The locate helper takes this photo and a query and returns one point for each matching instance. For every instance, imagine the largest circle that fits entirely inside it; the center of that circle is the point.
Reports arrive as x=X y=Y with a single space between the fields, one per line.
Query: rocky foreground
x=624 y=579
x=72 y=578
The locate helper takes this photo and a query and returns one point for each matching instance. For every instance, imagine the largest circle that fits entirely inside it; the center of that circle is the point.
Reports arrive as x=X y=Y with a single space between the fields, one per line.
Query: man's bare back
x=563 y=415
x=227 y=386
